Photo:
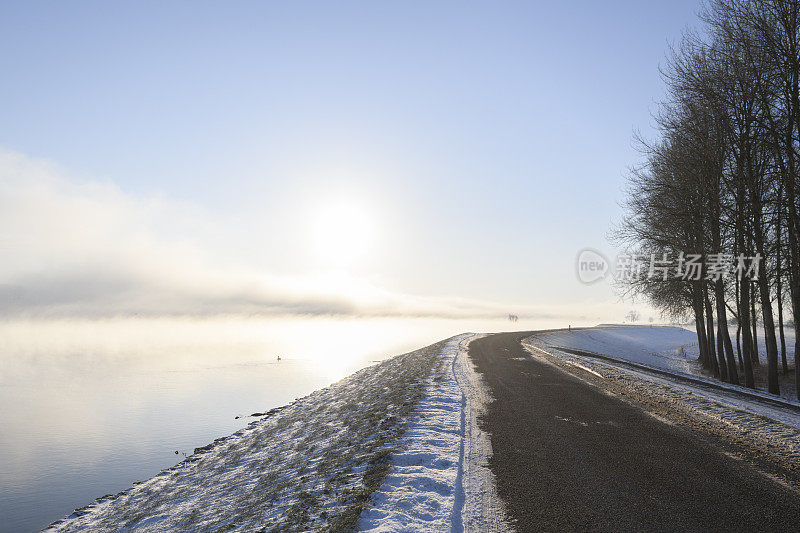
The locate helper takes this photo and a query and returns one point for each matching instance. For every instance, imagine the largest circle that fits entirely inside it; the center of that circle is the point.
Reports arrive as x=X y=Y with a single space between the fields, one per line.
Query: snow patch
x=585 y=368
x=660 y=346
x=441 y=480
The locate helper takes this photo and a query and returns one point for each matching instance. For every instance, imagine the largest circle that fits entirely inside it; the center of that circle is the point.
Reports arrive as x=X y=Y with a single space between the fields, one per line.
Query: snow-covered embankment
x=392 y=447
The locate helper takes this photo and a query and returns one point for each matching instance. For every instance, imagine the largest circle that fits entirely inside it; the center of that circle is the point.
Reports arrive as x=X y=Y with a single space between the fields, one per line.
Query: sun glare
x=342 y=233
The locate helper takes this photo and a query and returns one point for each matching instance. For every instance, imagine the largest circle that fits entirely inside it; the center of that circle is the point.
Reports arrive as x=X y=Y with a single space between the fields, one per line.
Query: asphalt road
x=568 y=457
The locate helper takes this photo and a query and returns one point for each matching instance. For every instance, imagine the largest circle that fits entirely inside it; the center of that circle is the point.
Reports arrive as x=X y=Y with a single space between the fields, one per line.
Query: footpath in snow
x=393 y=447
x=440 y=480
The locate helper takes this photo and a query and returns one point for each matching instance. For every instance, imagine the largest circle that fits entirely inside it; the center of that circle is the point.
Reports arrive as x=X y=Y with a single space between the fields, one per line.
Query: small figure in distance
x=279 y=358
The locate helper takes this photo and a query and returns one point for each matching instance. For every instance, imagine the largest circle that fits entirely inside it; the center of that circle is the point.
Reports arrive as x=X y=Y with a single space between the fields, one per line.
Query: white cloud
x=89 y=249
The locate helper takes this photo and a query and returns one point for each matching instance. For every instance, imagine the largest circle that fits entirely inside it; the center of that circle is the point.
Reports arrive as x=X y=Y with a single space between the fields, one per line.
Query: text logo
x=591 y=266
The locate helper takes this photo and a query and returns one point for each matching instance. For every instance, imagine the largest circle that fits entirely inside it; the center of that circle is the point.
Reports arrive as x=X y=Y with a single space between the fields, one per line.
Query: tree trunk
x=754 y=322
x=697 y=306
x=796 y=363
x=712 y=353
x=778 y=276
x=784 y=363
x=739 y=345
x=766 y=311
x=723 y=335
x=738 y=324
x=769 y=336
x=747 y=340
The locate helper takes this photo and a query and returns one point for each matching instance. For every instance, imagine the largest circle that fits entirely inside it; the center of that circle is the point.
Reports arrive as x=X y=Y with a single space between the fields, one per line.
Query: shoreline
x=314 y=463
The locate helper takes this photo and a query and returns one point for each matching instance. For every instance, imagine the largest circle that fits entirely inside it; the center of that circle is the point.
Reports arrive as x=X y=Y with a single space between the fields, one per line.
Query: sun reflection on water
x=92 y=405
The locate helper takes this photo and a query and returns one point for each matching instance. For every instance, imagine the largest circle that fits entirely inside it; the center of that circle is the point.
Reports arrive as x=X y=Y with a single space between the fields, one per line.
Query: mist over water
x=90 y=406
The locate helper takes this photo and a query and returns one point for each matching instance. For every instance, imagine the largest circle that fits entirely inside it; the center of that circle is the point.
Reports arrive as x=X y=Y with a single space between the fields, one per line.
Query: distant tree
x=632 y=316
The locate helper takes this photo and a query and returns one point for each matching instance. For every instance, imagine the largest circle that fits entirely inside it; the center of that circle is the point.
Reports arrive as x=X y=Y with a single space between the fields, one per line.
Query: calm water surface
x=88 y=407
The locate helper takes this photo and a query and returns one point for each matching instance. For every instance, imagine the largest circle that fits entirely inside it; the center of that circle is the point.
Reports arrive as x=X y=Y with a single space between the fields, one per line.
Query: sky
x=420 y=158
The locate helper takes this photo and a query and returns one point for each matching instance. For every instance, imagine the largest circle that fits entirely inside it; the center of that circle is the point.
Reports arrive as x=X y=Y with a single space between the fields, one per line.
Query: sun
x=342 y=232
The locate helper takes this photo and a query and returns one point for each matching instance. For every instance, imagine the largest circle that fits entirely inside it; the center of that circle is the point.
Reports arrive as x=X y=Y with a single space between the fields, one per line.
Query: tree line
x=721 y=182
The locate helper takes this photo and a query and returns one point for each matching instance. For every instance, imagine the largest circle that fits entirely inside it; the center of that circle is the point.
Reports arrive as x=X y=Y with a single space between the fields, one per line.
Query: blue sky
x=486 y=141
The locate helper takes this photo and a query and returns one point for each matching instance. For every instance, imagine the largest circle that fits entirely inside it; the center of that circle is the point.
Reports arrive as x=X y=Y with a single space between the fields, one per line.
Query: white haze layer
x=71 y=248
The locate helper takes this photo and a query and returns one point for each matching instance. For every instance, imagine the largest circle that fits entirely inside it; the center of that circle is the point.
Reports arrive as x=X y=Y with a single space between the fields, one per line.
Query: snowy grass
x=669 y=348
x=312 y=465
x=661 y=346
